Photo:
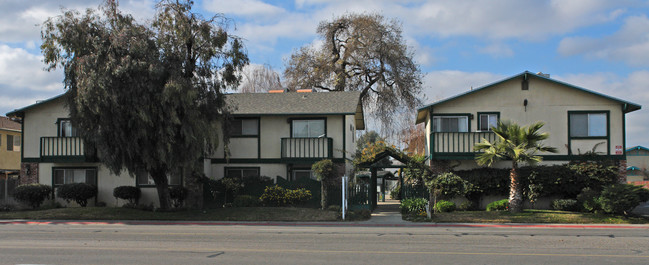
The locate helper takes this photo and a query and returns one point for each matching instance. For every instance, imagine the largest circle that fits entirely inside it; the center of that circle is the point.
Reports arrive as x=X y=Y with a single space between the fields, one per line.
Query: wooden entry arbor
x=373 y=167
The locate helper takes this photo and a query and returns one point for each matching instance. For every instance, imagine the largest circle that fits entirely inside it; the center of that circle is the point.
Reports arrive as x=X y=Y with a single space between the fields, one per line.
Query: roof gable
x=627 y=106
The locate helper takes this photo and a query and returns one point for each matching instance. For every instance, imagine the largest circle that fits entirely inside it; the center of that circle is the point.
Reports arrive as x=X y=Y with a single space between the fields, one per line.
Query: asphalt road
x=235 y=244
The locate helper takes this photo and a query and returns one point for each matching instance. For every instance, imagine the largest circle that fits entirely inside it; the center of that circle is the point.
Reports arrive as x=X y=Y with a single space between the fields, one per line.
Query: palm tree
x=518 y=144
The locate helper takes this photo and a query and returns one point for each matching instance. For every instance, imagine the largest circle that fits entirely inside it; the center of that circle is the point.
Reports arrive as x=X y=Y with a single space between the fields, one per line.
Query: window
x=66 y=129
x=245 y=127
x=303 y=174
x=451 y=124
x=588 y=124
x=144 y=179
x=487 y=120
x=75 y=175
x=241 y=172
x=13 y=142
x=308 y=128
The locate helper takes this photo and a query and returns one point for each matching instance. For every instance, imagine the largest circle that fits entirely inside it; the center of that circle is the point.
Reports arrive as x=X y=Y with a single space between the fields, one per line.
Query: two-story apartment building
x=271 y=135
x=578 y=120
x=283 y=134
x=637 y=161
x=10 y=143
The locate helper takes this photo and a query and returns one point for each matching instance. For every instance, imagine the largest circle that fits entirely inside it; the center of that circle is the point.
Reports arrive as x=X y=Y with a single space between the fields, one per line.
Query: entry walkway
x=386 y=213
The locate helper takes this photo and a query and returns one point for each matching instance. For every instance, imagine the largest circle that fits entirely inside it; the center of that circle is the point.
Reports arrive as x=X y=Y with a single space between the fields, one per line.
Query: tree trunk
x=515 y=191
x=323 y=194
x=162 y=186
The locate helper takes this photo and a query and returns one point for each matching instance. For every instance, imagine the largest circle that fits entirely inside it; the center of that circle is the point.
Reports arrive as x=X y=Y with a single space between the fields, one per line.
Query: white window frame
x=590 y=119
x=309 y=123
x=489 y=121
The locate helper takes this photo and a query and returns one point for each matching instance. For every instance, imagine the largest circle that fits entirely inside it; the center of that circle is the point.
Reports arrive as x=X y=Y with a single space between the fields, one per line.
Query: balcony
x=307 y=148
x=457 y=145
x=64 y=149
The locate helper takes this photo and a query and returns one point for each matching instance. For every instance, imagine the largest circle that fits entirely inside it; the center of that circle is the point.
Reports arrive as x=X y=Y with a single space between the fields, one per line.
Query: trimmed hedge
x=622 y=198
x=566 y=205
x=77 y=192
x=278 y=196
x=414 y=206
x=32 y=194
x=501 y=205
x=444 y=206
x=129 y=193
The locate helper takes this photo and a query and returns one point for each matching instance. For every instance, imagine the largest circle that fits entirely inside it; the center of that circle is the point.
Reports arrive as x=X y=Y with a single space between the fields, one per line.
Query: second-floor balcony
x=63 y=149
x=457 y=144
x=307 y=148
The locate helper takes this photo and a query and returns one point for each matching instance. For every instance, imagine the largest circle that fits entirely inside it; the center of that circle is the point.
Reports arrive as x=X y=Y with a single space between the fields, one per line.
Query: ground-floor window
x=302 y=174
x=241 y=172
x=75 y=175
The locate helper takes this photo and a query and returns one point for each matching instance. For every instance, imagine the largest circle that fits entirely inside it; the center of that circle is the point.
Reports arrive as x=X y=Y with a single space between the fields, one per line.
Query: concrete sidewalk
x=387 y=212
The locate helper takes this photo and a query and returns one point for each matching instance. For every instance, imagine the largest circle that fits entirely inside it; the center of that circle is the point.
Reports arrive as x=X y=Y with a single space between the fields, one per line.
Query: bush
x=6 y=207
x=278 y=196
x=588 y=200
x=502 y=205
x=447 y=186
x=395 y=194
x=444 y=206
x=334 y=208
x=467 y=206
x=177 y=194
x=32 y=194
x=414 y=206
x=622 y=198
x=77 y=192
x=565 y=205
x=255 y=186
x=245 y=201
x=129 y=193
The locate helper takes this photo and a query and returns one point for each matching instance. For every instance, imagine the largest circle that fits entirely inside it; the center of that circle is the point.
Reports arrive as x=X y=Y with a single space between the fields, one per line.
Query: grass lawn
x=221 y=214
x=535 y=216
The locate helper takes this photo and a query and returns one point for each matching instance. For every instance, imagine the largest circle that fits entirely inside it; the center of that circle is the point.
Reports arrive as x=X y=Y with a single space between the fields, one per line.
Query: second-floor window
x=450 y=124
x=66 y=129
x=13 y=142
x=308 y=128
x=588 y=124
x=487 y=120
x=245 y=127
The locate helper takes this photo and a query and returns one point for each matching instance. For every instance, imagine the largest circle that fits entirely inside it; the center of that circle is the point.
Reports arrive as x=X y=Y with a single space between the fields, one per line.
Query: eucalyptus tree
x=146 y=96
x=360 y=52
x=518 y=144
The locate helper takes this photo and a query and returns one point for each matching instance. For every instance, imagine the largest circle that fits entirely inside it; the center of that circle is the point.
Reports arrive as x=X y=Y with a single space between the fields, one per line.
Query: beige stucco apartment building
x=272 y=135
x=578 y=120
x=637 y=161
x=10 y=147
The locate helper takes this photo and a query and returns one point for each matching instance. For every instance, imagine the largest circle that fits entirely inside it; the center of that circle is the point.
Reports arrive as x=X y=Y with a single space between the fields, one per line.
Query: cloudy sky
x=600 y=45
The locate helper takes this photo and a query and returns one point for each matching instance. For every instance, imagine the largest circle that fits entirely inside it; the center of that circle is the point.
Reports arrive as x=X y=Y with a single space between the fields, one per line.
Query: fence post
x=344 y=193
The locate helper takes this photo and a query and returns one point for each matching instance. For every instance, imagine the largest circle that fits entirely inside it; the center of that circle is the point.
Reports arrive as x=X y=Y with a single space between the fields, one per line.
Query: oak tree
x=360 y=52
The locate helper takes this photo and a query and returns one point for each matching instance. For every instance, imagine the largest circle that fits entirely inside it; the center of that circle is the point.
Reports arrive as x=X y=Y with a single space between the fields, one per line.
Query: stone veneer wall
x=32 y=177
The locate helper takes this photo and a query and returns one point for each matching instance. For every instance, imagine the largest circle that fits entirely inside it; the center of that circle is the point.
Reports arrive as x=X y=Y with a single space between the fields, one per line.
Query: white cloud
x=243 y=7
x=497 y=50
x=22 y=70
x=630 y=44
x=439 y=85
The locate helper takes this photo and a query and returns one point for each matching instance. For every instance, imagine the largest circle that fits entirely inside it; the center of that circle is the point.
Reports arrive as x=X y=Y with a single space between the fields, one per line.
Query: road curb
x=332 y=224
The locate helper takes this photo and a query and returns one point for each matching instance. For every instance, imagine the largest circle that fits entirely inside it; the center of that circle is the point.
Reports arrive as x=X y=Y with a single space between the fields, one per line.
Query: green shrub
x=566 y=205
x=501 y=205
x=255 y=185
x=467 y=206
x=278 y=196
x=77 y=192
x=395 y=194
x=129 y=193
x=177 y=194
x=447 y=186
x=444 y=206
x=622 y=198
x=414 y=206
x=588 y=200
x=32 y=194
x=245 y=201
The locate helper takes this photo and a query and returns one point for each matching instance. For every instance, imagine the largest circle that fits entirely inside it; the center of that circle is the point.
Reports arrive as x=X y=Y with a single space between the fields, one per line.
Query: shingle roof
x=293 y=103
x=6 y=123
